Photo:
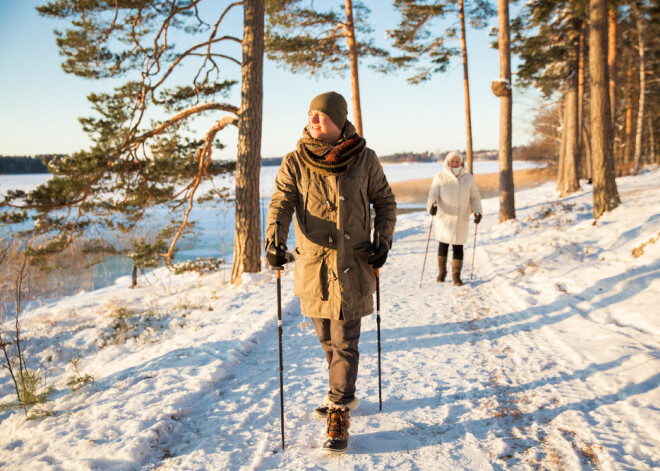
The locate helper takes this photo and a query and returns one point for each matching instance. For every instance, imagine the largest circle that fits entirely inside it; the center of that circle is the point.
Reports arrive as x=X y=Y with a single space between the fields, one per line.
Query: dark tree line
x=24 y=164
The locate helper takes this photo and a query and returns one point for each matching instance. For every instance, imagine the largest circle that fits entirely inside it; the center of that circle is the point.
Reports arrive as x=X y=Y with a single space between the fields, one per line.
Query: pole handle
x=276 y=237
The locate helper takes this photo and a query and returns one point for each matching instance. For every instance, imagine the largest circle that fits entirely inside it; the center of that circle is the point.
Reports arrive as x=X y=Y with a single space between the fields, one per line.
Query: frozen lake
x=215 y=223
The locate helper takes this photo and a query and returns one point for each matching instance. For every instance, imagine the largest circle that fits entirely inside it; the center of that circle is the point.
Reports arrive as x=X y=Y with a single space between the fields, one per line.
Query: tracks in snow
x=479 y=377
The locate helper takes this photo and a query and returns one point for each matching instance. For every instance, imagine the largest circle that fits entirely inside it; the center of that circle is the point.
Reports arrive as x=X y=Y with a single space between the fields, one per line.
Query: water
x=215 y=222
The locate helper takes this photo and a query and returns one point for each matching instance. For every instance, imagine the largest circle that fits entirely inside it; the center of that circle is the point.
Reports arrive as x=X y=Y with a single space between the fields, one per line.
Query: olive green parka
x=333 y=232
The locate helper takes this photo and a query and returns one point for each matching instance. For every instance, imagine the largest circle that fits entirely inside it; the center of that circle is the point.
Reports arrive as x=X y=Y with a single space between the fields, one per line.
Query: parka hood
x=447 y=169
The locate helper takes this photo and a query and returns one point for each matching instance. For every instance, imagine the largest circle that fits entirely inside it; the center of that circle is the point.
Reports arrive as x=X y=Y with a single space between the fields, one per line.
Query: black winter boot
x=456 y=267
x=336 y=442
x=442 y=266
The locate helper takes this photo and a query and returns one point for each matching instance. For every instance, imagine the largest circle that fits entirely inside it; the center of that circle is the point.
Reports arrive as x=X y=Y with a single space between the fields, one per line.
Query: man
x=329 y=182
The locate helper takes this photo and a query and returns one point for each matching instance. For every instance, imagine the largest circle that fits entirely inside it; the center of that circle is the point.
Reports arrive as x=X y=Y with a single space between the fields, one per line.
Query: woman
x=453 y=195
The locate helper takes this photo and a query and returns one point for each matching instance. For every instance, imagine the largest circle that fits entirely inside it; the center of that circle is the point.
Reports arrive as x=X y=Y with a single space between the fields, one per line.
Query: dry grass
x=416 y=191
x=69 y=269
x=639 y=251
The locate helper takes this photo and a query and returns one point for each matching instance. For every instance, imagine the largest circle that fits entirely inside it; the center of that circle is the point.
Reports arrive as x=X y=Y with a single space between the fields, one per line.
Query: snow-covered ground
x=549 y=358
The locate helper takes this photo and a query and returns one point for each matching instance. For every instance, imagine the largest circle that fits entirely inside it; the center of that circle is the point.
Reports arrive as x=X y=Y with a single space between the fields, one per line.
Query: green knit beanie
x=333 y=105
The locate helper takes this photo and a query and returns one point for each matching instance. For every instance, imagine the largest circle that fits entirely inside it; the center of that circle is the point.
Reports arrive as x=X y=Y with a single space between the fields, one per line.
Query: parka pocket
x=366 y=274
x=310 y=276
x=367 y=209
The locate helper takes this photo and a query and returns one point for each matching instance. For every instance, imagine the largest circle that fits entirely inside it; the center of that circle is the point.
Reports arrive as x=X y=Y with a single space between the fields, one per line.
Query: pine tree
x=606 y=195
x=145 y=153
x=641 y=39
x=507 y=200
x=547 y=39
x=428 y=48
x=306 y=39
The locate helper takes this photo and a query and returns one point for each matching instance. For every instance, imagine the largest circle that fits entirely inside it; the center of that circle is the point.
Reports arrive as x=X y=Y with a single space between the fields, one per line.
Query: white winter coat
x=456 y=198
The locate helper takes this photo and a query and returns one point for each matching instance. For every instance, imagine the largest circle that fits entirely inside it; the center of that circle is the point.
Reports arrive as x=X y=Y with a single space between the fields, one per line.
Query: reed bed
x=416 y=191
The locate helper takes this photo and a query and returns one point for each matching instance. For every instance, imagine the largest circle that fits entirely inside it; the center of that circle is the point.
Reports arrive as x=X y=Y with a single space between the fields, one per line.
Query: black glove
x=477 y=218
x=377 y=259
x=276 y=256
x=434 y=210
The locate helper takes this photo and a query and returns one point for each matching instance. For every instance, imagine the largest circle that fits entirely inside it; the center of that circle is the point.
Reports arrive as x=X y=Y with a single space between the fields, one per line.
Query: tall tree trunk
x=642 y=91
x=507 y=200
x=611 y=65
x=606 y=195
x=585 y=160
x=628 y=146
x=353 y=56
x=569 y=179
x=651 y=141
x=466 y=86
x=586 y=138
x=247 y=240
x=562 y=143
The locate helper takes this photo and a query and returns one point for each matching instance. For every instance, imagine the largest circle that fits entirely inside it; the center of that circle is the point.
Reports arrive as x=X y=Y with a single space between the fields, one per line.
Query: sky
x=40 y=104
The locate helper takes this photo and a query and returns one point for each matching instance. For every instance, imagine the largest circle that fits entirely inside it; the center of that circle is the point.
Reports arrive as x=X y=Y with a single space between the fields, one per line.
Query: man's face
x=455 y=162
x=321 y=127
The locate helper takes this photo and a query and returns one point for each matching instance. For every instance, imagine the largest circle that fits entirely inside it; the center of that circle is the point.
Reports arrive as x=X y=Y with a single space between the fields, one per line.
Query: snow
x=548 y=358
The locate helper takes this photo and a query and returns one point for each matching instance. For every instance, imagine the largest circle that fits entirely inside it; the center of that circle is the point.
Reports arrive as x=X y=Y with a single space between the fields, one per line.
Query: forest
x=22 y=164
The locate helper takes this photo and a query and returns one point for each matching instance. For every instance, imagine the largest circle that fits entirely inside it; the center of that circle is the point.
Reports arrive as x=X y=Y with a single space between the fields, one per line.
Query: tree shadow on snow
x=526 y=320
x=422 y=435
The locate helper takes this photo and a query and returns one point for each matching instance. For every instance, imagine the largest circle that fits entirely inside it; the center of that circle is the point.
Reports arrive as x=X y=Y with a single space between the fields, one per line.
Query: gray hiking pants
x=339 y=340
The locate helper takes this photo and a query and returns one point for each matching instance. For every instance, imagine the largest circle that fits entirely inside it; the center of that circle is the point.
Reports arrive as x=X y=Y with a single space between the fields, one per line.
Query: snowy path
x=549 y=359
x=478 y=377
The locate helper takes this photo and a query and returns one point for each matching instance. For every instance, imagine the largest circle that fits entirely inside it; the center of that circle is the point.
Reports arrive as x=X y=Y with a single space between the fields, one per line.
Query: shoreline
x=416 y=191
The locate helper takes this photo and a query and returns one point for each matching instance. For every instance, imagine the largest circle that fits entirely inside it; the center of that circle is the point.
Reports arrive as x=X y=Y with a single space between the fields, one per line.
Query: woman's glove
x=434 y=210
x=477 y=218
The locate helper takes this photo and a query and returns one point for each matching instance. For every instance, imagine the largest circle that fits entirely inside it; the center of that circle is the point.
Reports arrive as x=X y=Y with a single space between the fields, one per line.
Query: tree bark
x=585 y=157
x=561 y=107
x=652 y=158
x=507 y=200
x=569 y=182
x=353 y=56
x=466 y=86
x=642 y=91
x=605 y=193
x=611 y=65
x=569 y=179
x=628 y=146
x=247 y=240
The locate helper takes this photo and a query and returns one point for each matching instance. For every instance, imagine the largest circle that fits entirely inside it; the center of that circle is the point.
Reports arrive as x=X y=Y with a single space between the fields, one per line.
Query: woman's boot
x=442 y=265
x=456 y=266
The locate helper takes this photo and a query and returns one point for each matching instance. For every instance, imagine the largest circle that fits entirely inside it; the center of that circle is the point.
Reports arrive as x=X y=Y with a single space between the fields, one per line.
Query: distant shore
x=416 y=191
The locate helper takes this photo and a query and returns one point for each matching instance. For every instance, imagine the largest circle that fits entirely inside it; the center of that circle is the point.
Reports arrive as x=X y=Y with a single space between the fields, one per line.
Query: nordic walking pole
x=279 y=330
x=380 y=392
x=425 y=253
x=474 y=248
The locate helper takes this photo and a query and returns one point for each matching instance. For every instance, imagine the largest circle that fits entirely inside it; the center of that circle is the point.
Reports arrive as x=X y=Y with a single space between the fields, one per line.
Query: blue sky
x=40 y=104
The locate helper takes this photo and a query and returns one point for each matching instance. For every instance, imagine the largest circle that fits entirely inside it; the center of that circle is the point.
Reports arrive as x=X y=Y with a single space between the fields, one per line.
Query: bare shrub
x=16 y=293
